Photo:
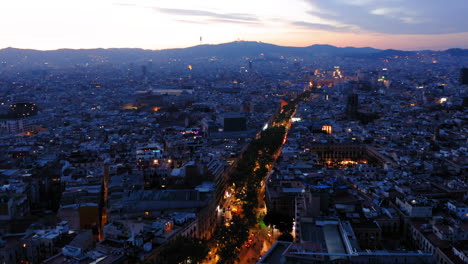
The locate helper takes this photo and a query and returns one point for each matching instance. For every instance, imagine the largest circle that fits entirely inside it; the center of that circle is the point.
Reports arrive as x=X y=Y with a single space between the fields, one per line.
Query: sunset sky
x=160 y=24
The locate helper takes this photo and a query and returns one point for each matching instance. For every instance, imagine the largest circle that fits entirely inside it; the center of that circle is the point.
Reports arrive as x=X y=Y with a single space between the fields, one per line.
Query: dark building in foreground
x=464 y=76
x=234 y=122
x=352 y=106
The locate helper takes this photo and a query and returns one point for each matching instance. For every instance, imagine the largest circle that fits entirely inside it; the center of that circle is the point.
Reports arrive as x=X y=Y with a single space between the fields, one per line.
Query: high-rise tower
x=464 y=76
x=352 y=106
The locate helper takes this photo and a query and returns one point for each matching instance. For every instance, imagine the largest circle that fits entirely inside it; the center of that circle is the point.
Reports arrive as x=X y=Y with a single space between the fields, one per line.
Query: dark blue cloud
x=396 y=16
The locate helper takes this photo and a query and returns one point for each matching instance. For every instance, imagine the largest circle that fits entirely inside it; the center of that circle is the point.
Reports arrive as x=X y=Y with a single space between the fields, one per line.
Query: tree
x=228 y=254
x=231 y=238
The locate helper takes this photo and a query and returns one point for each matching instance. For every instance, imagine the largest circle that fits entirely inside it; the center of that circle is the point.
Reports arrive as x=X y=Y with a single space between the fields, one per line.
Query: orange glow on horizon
x=183 y=23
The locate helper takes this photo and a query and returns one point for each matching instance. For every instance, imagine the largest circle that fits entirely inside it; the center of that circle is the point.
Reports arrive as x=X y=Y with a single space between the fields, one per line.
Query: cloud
x=325 y=27
x=358 y=2
x=125 y=4
x=230 y=21
x=424 y=17
x=404 y=15
x=410 y=20
x=387 y=11
x=192 y=21
x=217 y=20
x=232 y=18
x=239 y=17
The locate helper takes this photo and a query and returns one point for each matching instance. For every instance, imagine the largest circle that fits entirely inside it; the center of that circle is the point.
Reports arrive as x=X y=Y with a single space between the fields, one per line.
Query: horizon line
x=215 y=44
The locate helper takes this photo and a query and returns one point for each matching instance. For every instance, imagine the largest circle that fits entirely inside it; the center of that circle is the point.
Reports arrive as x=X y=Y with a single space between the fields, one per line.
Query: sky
x=161 y=24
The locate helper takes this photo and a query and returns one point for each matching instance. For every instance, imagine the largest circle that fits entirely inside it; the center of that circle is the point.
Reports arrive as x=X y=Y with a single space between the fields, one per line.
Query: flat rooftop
x=273 y=256
x=327 y=236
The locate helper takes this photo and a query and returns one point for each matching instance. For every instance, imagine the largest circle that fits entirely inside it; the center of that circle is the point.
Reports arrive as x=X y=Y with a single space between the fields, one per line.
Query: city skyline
x=164 y=24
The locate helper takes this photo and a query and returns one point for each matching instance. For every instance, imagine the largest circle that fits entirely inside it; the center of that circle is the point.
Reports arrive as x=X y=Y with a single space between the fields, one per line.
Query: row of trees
x=247 y=178
x=251 y=169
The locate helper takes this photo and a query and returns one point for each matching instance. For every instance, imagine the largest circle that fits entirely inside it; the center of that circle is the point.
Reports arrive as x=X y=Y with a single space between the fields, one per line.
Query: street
x=261 y=237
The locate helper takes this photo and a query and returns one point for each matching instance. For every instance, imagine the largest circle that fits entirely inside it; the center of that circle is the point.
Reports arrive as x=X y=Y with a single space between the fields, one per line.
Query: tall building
x=234 y=122
x=352 y=106
x=464 y=76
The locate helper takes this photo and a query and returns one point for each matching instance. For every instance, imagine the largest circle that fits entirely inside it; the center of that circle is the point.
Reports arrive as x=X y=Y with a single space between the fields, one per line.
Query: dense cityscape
x=243 y=152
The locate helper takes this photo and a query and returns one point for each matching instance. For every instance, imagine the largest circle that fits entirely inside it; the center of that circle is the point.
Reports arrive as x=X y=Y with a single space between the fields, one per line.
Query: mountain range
x=231 y=50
